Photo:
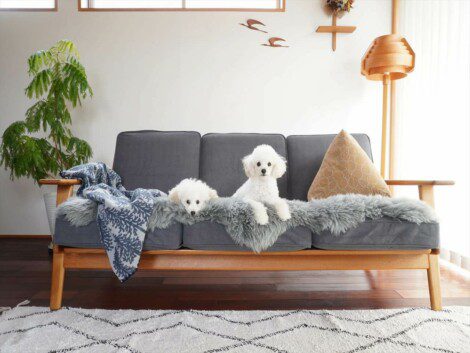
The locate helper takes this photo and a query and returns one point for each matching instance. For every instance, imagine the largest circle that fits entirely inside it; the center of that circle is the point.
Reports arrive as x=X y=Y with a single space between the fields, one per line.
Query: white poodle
x=192 y=194
x=262 y=167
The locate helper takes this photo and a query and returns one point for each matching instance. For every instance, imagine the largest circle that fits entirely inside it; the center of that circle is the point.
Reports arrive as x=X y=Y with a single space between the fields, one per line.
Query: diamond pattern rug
x=36 y=329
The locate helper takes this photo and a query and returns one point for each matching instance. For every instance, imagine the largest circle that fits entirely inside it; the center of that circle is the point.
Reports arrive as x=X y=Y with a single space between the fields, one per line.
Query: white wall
x=193 y=71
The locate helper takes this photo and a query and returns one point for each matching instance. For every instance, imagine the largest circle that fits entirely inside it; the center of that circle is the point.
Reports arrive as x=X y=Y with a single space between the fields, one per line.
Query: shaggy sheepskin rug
x=336 y=214
x=36 y=329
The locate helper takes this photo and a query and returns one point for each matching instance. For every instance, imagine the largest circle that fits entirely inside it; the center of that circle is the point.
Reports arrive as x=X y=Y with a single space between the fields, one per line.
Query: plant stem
x=57 y=144
x=59 y=155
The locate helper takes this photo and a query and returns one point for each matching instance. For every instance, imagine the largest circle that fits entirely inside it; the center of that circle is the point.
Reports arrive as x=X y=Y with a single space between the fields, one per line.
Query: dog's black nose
x=193 y=213
x=263 y=171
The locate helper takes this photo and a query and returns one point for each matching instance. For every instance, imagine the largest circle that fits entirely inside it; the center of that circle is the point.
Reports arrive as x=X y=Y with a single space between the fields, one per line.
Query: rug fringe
x=6 y=308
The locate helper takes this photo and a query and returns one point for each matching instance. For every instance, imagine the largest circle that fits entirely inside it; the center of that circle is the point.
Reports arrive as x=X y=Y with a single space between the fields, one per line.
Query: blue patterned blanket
x=122 y=216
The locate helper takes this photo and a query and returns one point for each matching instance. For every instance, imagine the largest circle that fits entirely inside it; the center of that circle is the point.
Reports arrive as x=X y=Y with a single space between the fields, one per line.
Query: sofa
x=158 y=159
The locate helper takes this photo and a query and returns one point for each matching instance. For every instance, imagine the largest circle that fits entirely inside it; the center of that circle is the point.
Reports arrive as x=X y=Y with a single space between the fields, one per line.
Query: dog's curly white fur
x=193 y=194
x=262 y=167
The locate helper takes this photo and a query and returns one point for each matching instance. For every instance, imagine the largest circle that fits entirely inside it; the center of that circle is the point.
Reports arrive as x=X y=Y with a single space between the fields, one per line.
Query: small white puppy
x=262 y=167
x=193 y=194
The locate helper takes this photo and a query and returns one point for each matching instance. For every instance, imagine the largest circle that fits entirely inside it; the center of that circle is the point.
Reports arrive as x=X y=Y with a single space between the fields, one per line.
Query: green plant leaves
x=39 y=84
x=38 y=60
x=66 y=47
x=79 y=150
x=58 y=80
x=75 y=82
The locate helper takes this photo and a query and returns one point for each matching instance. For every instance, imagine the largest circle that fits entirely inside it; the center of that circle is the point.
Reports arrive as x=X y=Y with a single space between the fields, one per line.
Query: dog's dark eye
x=258 y=164
x=269 y=164
x=188 y=202
x=197 y=202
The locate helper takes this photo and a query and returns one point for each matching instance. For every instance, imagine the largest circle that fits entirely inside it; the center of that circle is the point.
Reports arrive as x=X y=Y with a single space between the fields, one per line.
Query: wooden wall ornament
x=337 y=8
x=251 y=25
x=272 y=42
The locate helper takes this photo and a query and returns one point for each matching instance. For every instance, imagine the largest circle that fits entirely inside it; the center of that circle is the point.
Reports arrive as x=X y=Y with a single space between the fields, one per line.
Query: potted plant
x=42 y=144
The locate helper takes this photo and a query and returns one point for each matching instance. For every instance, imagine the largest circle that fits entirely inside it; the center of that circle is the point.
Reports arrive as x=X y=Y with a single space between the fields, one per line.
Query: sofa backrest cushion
x=156 y=159
x=221 y=155
x=305 y=155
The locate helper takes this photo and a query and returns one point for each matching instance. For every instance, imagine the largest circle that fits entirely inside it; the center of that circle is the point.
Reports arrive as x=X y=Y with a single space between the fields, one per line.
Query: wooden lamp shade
x=388 y=55
x=388 y=58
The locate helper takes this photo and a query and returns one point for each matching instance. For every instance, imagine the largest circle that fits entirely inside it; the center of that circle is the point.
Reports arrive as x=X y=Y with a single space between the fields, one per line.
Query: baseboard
x=25 y=236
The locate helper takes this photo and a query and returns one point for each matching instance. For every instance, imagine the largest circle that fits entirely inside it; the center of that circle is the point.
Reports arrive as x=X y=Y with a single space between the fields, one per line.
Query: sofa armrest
x=425 y=187
x=60 y=181
x=64 y=187
x=420 y=182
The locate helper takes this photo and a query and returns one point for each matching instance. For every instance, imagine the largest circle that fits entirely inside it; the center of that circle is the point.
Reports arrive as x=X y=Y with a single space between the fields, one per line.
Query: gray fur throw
x=336 y=214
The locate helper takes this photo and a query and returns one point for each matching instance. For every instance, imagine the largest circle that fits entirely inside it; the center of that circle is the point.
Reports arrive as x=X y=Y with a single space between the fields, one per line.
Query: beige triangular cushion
x=346 y=169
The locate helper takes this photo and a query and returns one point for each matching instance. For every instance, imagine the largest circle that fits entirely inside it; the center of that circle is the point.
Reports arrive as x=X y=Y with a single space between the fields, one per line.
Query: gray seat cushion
x=156 y=159
x=212 y=236
x=221 y=155
x=381 y=234
x=89 y=236
x=305 y=155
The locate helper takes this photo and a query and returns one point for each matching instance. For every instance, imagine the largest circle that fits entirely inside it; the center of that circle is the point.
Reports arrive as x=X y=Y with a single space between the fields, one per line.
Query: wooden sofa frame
x=303 y=260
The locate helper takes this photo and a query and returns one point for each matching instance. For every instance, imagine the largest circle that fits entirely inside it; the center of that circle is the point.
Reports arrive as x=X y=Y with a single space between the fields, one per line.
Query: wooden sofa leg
x=434 y=282
x=58 y=273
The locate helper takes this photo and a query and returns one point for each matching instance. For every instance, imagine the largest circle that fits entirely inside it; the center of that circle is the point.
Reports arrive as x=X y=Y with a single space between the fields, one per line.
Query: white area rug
x=35 y=329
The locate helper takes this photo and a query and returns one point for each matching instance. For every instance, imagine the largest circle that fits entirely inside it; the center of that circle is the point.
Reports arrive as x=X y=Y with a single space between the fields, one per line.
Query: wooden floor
x=25 y=268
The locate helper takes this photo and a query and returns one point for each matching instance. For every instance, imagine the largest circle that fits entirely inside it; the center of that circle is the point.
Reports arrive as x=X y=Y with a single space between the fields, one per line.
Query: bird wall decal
x=273 y=43
x=251 y=25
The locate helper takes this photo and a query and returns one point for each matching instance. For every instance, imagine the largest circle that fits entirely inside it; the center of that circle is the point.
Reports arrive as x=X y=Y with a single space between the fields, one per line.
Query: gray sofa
x=155 y=159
